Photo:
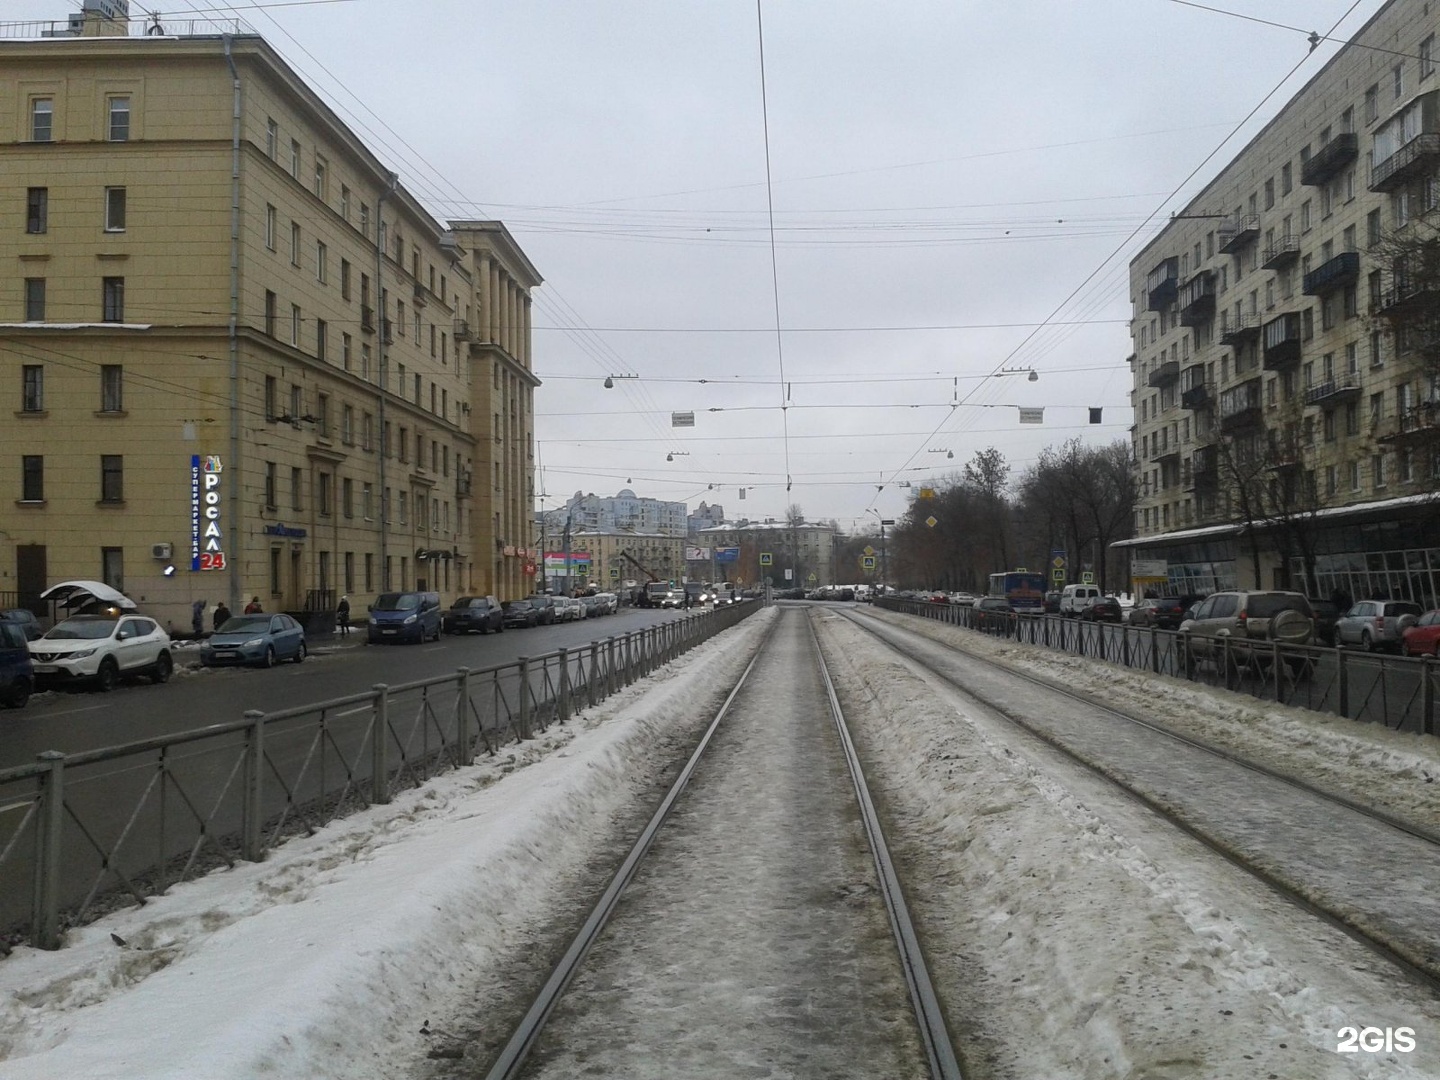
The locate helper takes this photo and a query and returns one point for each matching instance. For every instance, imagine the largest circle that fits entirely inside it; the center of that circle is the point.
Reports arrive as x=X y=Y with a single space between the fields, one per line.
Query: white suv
x=103 y=648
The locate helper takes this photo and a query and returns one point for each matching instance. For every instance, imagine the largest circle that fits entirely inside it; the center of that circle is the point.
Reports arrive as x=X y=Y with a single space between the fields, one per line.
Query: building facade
x=615 y=557
x=623 y=510
x=245 y=360
x=1285 y=409
x=800 y=554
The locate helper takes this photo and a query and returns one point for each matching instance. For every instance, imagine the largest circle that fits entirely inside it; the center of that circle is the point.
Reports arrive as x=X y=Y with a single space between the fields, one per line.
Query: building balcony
x=1199 y=396
x=1165 y=374
x=1281 y=338
x=1408 y=163
x=1415 y=424
x=1162 y=284
x=1238 y=329
x=1205 y=468
x=1328 y=277
x=1405 y=295
x=1238 y=232
x=367 y=318
x=1197 y=299
x=1167 y=456
x=462 y=331
x=1333 y=392
x=1284 y=251
x=1330 y=159
x=1241 y=407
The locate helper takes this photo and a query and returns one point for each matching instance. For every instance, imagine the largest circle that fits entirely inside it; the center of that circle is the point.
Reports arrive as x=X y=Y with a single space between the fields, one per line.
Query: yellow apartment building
x=241 y=358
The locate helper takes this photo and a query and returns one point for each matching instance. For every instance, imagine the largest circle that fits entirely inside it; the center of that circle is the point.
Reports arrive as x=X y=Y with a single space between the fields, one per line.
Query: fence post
x=594 y=671
x=562 y=699
x=1155 y=649
x=47 y=851
x=1277 y=670
x=1125 y=644
x=1427 y=696
x=1046 y=620
x=1187 y=658
x=524 y=693
x=462 y=718
x=609 y=666
x=251 y=846
x=1342 y=682
x=380 y=746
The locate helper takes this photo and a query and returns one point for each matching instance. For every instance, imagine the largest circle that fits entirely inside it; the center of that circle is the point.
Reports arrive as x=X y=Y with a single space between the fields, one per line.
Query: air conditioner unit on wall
x=161 y=551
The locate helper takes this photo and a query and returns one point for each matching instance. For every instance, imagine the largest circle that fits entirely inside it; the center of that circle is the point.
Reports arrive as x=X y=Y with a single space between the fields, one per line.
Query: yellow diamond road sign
x=932 y=521
x=869 y=550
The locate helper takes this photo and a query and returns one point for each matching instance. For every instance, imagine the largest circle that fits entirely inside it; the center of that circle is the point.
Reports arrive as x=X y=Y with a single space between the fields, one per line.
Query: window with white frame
x=114 y=209
x=118 y=120
x=42 y=119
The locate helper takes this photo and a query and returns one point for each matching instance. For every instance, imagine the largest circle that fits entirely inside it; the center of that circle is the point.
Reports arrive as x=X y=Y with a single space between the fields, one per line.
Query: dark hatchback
x=1106 y=609
x=472 y=614
x=545 y=610
x=1163 y=612
x=519 y=613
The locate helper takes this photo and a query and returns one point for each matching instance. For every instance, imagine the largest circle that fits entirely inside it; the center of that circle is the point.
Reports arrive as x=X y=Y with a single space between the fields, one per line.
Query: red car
x=1423 y=638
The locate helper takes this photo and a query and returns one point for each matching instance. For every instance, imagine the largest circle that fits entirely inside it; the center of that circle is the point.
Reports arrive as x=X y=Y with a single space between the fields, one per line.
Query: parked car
x=573 y=610
x=1247 y=616
x=1327 y=614
x=17 y=670
x=1051 y=604
x=547 y=611
x=404 y=616
x=1376 y=624
x=26 y=619
x=102 y=649
x=993 y=613
x=1106 y=609
x=609 y=602
x=1423 y=638
x=1164 y=612
x=255 y=639
x=470 y=614
x=519 y=614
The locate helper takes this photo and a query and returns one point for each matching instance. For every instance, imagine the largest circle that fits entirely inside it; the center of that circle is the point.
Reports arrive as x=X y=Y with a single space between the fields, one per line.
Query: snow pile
x=314 y=962
x=1393 y=771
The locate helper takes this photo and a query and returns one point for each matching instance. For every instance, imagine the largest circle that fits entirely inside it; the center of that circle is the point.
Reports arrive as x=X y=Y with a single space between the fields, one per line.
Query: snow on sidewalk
x=313 y=962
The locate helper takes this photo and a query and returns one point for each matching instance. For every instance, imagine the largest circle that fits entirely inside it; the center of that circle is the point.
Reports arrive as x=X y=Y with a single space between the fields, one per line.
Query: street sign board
x=1057 y=575
x=682 y=419
x=1087 y=578
x=1156 y=568
x=869 y=550
x=867 y=562
x=766 y=559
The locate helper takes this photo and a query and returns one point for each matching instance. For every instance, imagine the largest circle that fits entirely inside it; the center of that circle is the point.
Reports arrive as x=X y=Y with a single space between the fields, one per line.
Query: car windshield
x=397 y=602
x=239 y=624
x=516 y=605
x=86 y=629
x=1269 y=605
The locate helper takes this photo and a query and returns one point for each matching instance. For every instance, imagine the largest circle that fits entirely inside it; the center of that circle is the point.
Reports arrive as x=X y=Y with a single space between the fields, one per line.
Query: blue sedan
x=255 y=639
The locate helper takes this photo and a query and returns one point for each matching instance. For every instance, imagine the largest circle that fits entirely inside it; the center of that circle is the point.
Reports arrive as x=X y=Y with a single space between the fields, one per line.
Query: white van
x=1076 y=598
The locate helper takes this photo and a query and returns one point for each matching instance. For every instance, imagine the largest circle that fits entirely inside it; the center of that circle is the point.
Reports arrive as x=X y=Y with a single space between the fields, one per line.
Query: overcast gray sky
x=944 y=177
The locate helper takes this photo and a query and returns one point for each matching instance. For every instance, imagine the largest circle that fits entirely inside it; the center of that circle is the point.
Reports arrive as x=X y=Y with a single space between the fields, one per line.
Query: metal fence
x=84 y=833
x=1399 y=692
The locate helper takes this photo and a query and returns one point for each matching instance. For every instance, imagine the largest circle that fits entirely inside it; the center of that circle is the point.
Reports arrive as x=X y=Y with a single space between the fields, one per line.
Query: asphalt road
x=75 y=719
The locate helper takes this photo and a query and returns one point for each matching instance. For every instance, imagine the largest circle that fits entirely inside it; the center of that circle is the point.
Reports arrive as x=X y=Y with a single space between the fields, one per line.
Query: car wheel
x=108 y=677
x=1367 y=642
x=269 y=660
x=163 y=667
x=19 y=693
x=301 y=653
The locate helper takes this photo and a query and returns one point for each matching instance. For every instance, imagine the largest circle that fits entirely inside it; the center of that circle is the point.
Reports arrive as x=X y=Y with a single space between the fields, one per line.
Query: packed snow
x=1072 y=935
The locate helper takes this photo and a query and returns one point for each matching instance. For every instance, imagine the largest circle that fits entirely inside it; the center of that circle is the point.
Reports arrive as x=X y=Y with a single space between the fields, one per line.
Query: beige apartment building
x=613 y=556
x=243 y=359
x=800 y=555
x=1285 y=418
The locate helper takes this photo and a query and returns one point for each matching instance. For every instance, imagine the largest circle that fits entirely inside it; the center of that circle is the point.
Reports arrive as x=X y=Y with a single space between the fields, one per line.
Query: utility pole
x=884 y=559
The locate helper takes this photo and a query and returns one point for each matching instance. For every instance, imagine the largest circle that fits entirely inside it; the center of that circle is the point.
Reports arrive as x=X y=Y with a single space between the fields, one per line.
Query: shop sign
x=207 y=542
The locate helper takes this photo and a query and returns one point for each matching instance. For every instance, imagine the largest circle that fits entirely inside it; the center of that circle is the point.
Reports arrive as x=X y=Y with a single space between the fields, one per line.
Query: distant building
x=620 y=555
x=766 y=550
x=704 y=517
x=624 y=510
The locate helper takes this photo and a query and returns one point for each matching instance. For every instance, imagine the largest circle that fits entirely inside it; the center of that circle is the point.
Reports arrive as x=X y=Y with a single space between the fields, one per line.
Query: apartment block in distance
x=242 y=359
x=1286 y=382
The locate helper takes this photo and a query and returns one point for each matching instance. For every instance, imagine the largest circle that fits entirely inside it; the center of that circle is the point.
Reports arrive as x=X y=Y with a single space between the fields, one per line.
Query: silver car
x=1376 y=624
x=1248 y=616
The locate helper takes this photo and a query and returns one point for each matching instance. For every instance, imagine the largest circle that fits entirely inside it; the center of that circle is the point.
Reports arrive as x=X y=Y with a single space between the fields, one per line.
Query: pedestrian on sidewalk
x=197 y=617
x=222 y=615
x=253 y=607
x=342 y=616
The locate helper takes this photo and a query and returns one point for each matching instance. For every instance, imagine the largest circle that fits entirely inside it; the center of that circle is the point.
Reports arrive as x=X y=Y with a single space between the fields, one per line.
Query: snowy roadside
x=1071 y=933
x=325 y=959
x=1397 y=772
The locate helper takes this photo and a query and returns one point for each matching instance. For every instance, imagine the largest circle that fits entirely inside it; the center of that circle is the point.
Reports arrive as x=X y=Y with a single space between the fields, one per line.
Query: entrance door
x=30 y=576
x=297 y=581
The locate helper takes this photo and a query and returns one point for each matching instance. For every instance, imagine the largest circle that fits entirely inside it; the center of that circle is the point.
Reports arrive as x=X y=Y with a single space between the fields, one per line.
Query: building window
x=272 y=138
x=1427 y=57
x=1397 y=78
x=34 y=299
x=112 y=299
x=322 y=344
x=295 y=474
x=112 y=567
x=297 y=402
x=322 y=415
x=112 y=385
x=345 y=347
x=344 y=202
x=42 y=119
x=344 y=279
x=347 y=425
x=347 y=497
x=404 y=507
x=1372 y=228
x=322 y=262
x=270 y=227
x=365 y=360
x=1377 y=470
x=320 y=176
x=32 y=483
x=270 y=395
x=1372 y=104
x=274 y=571
x=364 y=220
x=295 y=322
x=269 y=485
x=37 y=210
x=271 y=305
x=295 y=159
x=367 y=433
x=114 y=209
x=119 y=126
x=294 y=243
x=322 y=494
x=112 y=478
x=1352 y=418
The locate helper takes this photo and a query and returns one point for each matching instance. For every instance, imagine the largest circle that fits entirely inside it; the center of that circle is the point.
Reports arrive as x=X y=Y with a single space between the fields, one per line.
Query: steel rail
x=929 y=1015
x=507 y=1066
x=1428 y=974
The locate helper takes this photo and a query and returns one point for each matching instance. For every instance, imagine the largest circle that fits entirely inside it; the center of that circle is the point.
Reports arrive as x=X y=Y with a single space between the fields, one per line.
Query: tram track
x=751 y=701
x=1390 y=841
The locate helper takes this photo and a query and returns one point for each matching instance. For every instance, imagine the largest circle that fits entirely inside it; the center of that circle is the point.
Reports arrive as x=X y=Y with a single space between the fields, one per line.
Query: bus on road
x=1024 y=590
